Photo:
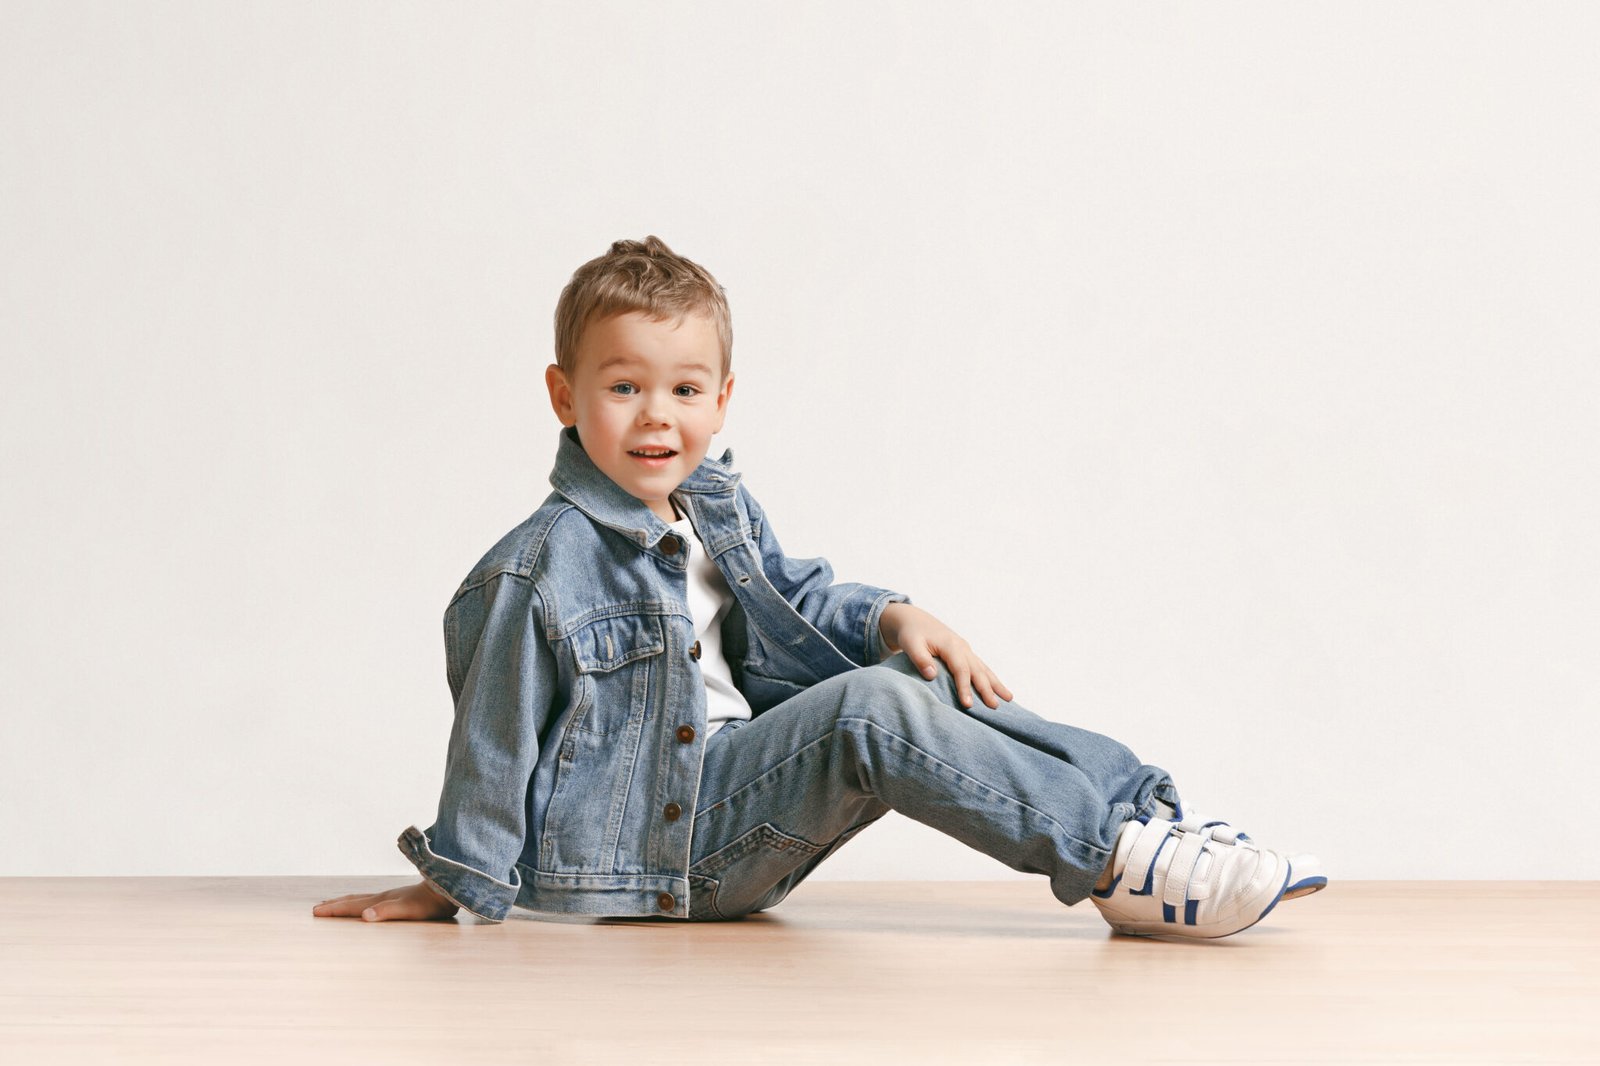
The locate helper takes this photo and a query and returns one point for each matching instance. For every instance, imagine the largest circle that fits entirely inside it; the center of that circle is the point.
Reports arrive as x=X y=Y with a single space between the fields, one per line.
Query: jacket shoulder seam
x=525 y=561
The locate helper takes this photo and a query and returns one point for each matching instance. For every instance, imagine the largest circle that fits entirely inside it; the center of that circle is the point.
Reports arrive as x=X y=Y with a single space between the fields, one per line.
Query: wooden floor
x=237 y=970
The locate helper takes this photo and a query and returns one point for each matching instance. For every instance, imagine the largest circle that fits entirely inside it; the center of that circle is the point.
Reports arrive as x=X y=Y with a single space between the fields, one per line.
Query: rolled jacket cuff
x=485 y=896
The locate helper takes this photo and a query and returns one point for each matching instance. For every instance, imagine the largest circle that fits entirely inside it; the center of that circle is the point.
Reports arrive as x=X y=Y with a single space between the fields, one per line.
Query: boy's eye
x=629 y=385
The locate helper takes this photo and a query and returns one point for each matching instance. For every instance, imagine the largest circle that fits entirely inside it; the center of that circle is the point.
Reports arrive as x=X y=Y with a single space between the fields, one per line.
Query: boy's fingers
x=375 y=906
x=987 y=683
x=342 y=907
x=391 y=906
x=963 y=679
x=412 y=904
x=921 y=653
x=993 y=686
x=979 y=681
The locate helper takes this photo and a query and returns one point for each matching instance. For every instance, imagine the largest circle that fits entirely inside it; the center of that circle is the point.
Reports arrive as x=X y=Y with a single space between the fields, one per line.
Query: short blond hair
x=644 y=276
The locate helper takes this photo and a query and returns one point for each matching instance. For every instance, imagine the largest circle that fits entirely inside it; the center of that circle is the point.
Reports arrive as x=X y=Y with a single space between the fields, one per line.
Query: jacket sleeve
x=502 y=675
x=847 y=613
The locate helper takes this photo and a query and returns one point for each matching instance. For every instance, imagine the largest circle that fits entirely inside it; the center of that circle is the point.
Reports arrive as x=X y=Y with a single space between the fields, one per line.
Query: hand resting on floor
x=418 y=902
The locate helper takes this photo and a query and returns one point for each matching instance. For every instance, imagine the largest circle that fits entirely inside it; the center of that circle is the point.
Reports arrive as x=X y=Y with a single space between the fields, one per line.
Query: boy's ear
x=722 y=402
x=560 y=394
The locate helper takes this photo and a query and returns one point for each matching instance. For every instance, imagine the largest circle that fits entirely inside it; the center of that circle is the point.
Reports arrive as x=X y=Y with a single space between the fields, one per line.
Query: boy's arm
x=847 y=613
x=502 y=674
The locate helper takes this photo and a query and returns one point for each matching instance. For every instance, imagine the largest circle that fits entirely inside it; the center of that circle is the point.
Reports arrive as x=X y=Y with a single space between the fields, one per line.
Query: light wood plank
x=173 y=970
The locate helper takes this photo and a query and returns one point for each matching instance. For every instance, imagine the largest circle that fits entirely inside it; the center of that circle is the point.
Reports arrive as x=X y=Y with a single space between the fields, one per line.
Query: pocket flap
x=610 y=642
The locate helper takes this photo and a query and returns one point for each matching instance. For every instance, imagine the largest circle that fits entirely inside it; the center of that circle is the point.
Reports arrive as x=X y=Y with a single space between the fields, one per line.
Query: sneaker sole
x=1305 y=876
x=1305 y=887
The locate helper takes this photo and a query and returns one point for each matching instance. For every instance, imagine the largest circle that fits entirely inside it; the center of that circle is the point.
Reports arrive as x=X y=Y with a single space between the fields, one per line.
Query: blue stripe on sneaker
x=1281 y=889
x=1189 y=910
x=1149 y=878
x=1167 y=913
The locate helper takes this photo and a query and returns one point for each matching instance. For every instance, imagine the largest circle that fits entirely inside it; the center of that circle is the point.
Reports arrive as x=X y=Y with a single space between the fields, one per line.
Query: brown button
x=686 y=733
x=669 y=544
x=665 y=901
x=694 y=650
x=672 y=810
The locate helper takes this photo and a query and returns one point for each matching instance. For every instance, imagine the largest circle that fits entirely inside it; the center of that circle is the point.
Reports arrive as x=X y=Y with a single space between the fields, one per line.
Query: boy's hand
x=922 y=636
x=419 y=902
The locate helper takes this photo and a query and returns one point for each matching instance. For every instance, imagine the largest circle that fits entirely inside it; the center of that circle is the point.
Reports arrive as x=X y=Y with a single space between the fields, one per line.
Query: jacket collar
x=577 y=478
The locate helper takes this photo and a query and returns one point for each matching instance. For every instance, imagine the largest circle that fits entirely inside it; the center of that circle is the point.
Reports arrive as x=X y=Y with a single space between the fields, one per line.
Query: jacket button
x=672 y=810
x=694 y=651
x=665 y=901
x=686 y=733
x=669 y=545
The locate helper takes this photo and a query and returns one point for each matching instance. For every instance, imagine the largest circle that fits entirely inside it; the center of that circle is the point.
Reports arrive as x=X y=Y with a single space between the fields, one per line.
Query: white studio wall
x=1226 y=375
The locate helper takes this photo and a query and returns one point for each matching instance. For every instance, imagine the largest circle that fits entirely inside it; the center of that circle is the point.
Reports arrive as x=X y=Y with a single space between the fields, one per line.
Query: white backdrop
x=1225 y=373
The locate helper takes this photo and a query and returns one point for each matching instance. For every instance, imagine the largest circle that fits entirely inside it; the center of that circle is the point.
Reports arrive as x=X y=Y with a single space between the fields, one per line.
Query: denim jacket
x=580 y=716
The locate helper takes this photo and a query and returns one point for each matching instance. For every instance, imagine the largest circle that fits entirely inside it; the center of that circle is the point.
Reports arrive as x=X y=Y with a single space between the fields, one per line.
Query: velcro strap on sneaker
x=1142 y=858
x=1190 y=845
x=1202 y=883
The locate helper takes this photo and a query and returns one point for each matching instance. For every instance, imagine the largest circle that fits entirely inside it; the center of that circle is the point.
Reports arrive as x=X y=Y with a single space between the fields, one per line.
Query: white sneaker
x=1307 y=875
x=1184 y=878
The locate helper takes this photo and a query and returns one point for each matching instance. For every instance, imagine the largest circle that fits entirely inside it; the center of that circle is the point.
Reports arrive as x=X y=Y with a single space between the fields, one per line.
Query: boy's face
x=641 y=384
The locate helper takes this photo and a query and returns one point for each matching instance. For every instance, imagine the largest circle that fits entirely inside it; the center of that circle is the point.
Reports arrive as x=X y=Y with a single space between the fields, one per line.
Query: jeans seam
x=1012 y=800
x=762 y=776
x=711 y=897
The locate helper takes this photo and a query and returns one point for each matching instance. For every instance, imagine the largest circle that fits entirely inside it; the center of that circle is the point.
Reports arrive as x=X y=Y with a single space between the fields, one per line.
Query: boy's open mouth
x=652 y=453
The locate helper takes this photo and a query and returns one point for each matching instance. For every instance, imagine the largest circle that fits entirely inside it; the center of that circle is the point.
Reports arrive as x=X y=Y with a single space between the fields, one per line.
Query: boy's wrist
x=437 y=892
x=889 y=625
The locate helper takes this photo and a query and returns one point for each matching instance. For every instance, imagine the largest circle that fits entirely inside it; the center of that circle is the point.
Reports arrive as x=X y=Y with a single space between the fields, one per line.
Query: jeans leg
x=782 y=792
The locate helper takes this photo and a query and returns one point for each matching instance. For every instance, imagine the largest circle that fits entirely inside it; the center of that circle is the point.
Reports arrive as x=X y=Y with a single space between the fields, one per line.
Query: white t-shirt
x=709 y=600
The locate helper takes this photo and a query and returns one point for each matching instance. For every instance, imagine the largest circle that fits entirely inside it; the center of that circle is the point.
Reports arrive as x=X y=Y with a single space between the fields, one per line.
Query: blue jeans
x=785 y=790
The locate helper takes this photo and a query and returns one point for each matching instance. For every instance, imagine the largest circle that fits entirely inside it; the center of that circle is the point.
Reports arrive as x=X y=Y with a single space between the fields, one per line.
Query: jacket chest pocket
x=618 y=660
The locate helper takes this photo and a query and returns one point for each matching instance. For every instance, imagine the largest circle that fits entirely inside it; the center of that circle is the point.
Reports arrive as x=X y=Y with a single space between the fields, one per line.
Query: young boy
x=659 y=713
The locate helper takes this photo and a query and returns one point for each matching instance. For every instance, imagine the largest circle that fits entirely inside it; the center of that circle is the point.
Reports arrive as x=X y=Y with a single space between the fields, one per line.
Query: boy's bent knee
x=885 y=680
x=901 y=663
x=887 y=697
x=942 y=684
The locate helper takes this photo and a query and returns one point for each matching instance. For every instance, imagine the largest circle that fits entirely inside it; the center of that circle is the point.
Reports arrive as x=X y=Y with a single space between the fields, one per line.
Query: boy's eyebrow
x=628 y=360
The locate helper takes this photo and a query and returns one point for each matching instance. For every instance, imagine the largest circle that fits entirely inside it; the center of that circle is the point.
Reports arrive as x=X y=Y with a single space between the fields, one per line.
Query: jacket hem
x=603 y=895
